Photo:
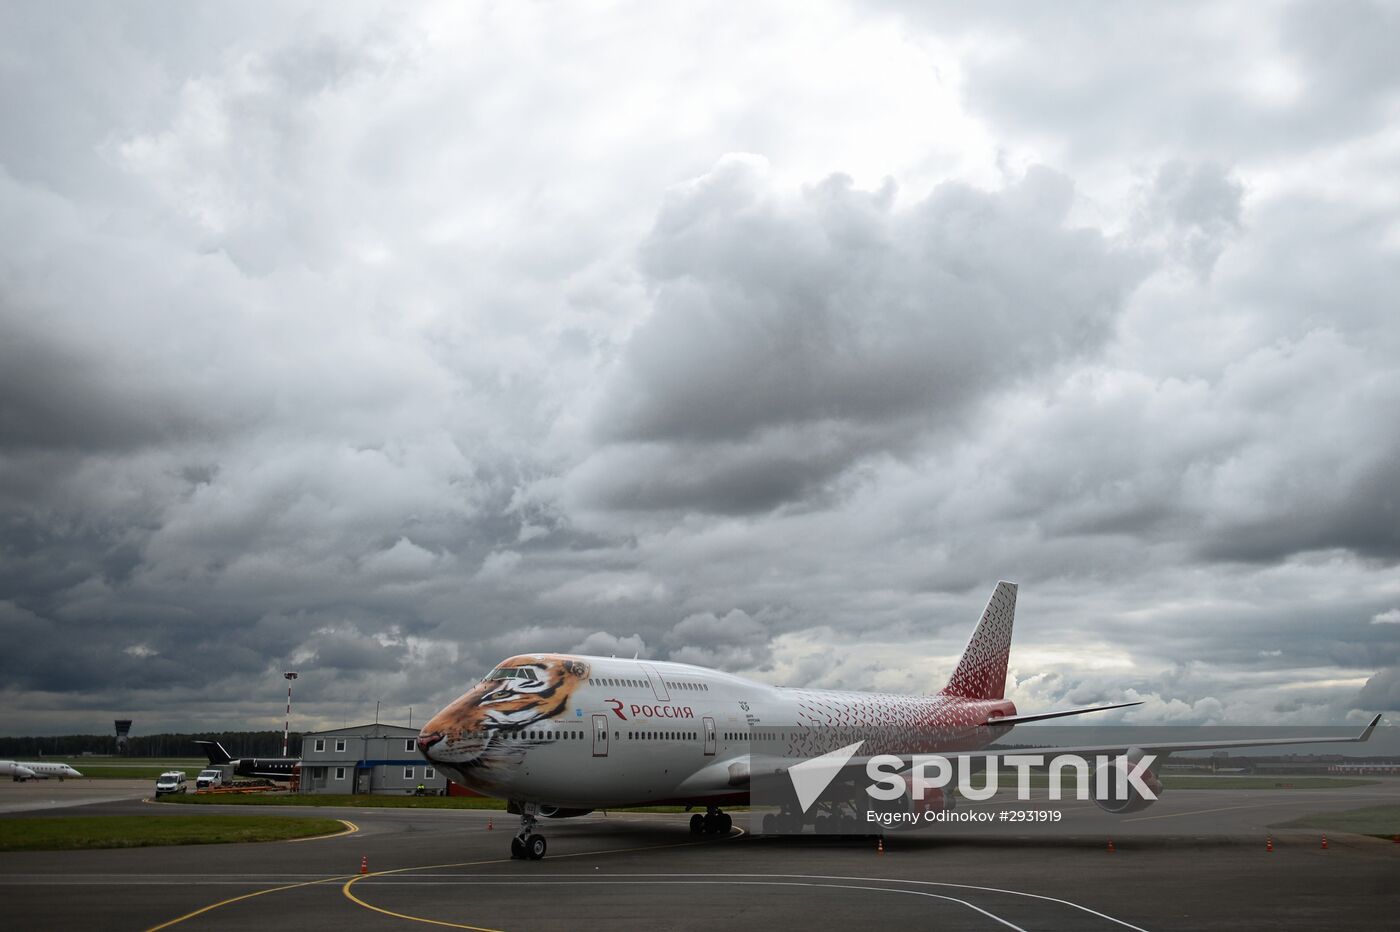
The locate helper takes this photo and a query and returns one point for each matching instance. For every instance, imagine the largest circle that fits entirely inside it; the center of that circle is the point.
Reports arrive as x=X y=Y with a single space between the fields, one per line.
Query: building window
x=408 y=744
x=340 y=744
x=320 y=744
x=429 y=773
x=408 y=773
x=340 y=773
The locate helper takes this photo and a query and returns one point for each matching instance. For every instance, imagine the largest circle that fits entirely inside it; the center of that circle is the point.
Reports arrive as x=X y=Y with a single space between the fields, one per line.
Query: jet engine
x=909 y=812
x=1118 y=796
x=554 y=812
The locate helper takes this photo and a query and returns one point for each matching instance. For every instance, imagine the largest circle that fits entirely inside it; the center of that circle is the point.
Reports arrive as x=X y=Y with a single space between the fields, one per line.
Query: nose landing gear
x=526 y=845
x=713 y=822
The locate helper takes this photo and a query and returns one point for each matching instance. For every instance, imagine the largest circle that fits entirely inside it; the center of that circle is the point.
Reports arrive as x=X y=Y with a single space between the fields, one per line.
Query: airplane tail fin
x=981 y=673
x=215 y=751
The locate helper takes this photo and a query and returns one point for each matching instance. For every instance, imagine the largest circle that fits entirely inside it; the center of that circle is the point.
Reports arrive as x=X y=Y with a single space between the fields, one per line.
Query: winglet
x=1370 y=728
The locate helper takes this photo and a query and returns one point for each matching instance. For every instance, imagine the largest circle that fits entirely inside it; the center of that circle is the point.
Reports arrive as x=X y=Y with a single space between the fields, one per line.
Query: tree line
x=238 y=743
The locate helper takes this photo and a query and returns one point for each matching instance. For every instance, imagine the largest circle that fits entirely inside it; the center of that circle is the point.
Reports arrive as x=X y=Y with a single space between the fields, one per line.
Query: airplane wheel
x=517 y=849
x=726 y=822
x=770 y=824
x=534 y=847
x=697 y=824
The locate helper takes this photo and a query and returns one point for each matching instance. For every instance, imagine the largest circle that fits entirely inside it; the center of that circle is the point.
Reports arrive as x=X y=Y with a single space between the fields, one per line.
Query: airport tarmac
x=448 y=869
x=51 y=797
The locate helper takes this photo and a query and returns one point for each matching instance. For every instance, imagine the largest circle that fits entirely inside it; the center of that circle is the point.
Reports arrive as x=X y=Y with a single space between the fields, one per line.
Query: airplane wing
x=1161 y=749
x=1041 y=716
x=853 y=767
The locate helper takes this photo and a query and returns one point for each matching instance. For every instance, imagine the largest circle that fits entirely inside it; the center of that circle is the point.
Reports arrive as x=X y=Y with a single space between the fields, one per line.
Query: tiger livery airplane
x=559 y=735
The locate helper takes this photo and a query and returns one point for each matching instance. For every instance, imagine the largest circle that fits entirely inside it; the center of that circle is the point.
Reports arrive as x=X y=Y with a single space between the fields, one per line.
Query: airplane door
x=658 y=685
x=709 y=736
x=600 y=736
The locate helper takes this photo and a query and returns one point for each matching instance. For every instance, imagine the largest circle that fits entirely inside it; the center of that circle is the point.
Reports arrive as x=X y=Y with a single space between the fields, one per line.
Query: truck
x=172 y=781
x=209 y=778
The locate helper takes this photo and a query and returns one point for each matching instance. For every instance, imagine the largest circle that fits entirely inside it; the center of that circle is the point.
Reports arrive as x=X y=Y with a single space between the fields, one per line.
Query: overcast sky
x=384 y=342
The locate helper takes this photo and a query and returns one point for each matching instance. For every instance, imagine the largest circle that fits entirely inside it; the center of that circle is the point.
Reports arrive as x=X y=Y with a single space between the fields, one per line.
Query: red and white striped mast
x=288 y=675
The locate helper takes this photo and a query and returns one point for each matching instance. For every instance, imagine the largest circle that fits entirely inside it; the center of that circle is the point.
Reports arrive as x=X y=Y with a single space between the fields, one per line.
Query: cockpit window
x=513 y=673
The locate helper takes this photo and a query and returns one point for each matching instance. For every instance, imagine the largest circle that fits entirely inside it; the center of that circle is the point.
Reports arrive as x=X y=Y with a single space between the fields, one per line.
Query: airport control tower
x=123 y=731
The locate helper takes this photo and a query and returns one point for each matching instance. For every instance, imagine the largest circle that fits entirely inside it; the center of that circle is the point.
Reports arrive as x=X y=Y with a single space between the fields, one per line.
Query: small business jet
x=559 y=735
x=21 y=770
x=269 y=768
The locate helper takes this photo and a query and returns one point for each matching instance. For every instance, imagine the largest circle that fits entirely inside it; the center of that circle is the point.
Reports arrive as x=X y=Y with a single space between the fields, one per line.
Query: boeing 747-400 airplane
x=560 y=735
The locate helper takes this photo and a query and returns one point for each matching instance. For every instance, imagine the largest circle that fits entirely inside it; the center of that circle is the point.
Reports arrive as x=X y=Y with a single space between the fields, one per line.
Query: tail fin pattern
x=981 y=673
x=215 y=751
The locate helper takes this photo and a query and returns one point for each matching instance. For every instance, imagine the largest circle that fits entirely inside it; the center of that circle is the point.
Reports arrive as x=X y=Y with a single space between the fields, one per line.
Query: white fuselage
x=630 y=732
x=35 y=770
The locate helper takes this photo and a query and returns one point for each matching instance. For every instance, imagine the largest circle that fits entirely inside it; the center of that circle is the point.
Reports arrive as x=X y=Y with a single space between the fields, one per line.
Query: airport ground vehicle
x=172 y=781
x=209 y=778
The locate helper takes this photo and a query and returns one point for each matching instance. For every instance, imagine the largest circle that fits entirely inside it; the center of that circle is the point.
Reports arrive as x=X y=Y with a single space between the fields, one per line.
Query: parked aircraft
x=269 y=768
x=559 y=735
x=21 y=770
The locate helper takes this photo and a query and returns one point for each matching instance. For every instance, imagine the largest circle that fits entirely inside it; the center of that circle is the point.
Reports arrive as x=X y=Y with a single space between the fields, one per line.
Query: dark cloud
x=793 y=337
x=395 y=343
x=735 y=641
x=1198 y=207
x=1381 y=692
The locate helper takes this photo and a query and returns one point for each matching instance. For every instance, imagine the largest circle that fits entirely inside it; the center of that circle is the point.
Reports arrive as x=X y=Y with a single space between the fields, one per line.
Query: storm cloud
x=382 y=344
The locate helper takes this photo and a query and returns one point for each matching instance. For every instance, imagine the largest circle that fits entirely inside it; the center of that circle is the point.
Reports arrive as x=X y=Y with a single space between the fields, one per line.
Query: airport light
x=287 y=675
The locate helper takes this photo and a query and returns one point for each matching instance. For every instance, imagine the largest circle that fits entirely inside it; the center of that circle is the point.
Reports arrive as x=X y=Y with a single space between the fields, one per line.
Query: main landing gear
x=713 y=822
x=526 y=845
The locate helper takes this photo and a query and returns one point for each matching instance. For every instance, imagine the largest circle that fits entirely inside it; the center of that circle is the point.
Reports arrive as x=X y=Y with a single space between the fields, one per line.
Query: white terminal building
x=366 y=759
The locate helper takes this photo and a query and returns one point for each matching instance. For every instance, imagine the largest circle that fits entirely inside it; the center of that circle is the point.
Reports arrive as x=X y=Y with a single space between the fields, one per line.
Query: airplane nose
x=427 y=741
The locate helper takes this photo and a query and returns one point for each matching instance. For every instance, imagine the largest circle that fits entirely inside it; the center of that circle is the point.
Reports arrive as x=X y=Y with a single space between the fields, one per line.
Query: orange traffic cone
x=490 y=825
x=1111 y=849
x=1269 y=843
x=364 y=864
x=1324 y=841
x=880 y=846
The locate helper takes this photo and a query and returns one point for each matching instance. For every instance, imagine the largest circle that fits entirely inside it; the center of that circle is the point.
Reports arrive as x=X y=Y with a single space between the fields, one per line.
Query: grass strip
x=1380 y=821
x=69 y=833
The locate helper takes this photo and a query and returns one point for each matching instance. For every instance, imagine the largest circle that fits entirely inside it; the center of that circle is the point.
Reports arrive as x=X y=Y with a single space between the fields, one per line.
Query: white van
x=172 y=781
x=207 y=778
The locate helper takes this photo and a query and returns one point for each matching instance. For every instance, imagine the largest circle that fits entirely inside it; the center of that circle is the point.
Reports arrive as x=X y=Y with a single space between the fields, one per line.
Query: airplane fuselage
x=36 y=770
x=560 y=734
x=591 y=732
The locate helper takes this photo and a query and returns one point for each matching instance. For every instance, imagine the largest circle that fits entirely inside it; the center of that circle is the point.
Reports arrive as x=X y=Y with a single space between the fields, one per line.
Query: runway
x=447 y=869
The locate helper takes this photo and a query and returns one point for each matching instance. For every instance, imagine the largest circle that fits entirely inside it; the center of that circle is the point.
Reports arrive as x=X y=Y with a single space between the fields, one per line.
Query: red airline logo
x=650 y=711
